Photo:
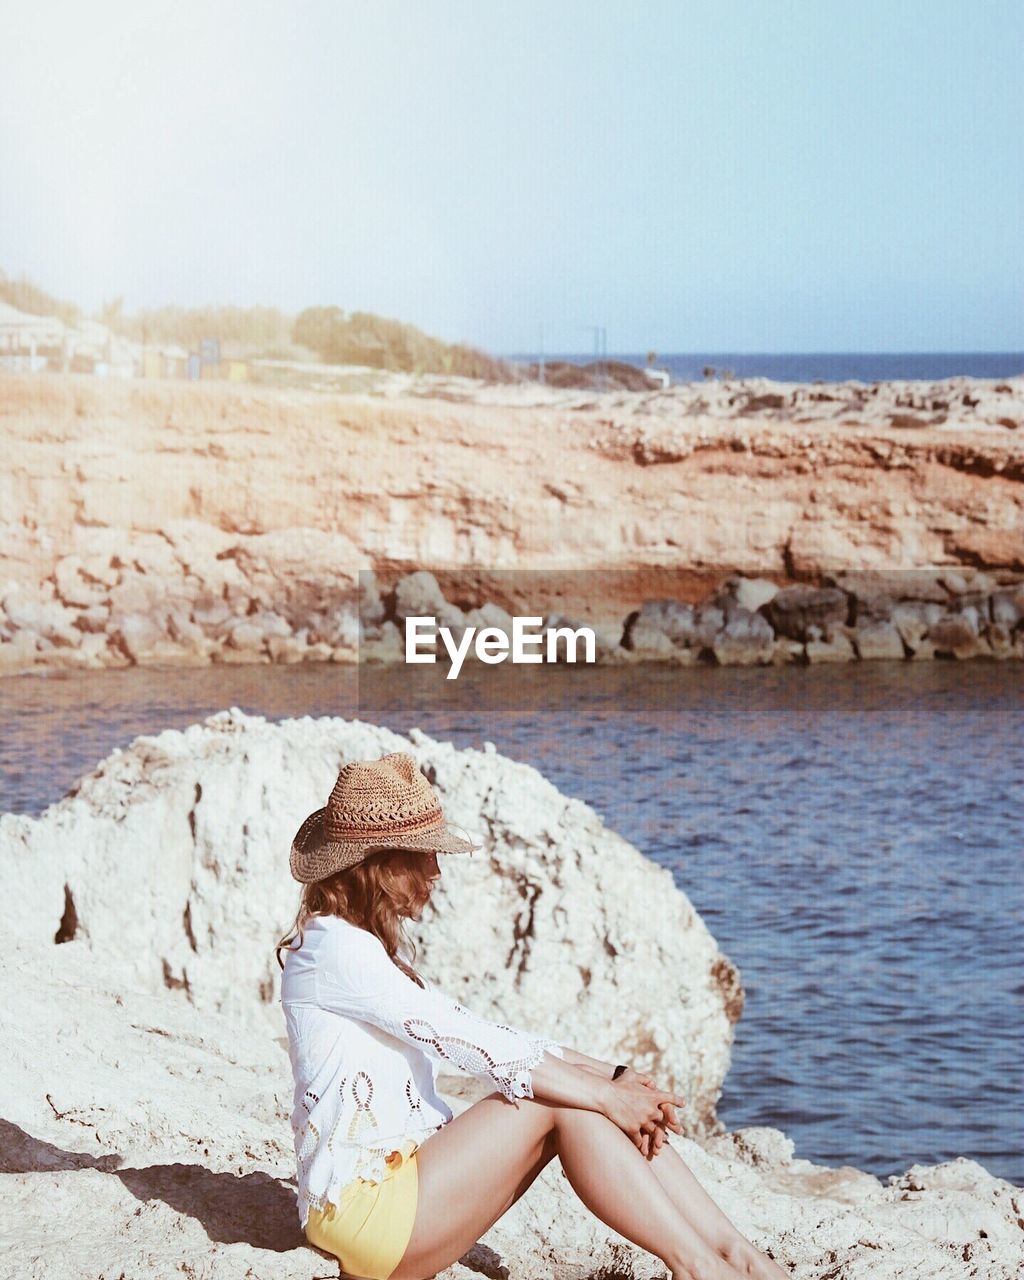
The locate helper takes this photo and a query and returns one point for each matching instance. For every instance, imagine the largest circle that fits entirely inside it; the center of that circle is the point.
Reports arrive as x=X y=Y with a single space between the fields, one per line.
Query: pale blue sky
x=724 y=176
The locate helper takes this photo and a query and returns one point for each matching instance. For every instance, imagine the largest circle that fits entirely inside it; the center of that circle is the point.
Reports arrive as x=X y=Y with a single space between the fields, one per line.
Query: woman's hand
x=652 y=1142
x=652 y=1138
x=642 y=1110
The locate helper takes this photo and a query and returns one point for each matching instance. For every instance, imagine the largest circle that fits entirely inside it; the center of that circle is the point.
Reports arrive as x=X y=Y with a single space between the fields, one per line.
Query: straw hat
x=375 y=804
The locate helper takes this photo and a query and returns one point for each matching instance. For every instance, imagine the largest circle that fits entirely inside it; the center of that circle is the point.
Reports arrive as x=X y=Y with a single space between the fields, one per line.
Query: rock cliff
x=180 y=523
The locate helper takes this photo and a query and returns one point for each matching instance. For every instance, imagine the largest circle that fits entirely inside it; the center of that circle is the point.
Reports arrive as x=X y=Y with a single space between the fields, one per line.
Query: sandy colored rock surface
x=147 y=1116
x=157 y=1138
x=182 y=523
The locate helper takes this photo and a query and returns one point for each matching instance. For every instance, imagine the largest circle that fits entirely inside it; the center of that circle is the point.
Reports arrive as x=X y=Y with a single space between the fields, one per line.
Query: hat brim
x=314 y=857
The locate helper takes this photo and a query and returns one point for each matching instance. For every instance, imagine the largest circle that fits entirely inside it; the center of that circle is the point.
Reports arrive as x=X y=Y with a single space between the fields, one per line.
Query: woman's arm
x=357 y=978
x=584 y=1060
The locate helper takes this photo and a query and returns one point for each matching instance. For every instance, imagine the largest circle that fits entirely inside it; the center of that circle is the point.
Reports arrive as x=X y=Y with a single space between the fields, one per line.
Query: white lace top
x=365 y=1043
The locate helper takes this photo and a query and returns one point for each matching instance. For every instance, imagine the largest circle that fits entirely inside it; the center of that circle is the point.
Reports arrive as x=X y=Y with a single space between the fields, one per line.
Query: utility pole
x=600 y=354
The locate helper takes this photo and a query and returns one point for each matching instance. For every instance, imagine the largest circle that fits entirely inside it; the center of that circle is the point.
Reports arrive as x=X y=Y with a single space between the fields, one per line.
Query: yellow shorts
x=369 y=1230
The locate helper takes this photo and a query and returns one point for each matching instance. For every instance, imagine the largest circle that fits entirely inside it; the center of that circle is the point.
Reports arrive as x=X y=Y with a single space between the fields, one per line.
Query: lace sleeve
x=358 y=979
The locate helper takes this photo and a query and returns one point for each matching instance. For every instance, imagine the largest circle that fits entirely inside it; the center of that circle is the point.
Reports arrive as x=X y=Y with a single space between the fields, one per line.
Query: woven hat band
x=337 y=828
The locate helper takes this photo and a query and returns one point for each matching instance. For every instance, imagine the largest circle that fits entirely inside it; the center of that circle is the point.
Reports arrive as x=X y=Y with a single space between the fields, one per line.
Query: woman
x=389 y=1180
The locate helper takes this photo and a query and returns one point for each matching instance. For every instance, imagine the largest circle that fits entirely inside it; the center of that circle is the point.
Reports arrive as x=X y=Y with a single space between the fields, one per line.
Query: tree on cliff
x=257 y=329
x=363 y=338
x=28 y=297
x=320 y=329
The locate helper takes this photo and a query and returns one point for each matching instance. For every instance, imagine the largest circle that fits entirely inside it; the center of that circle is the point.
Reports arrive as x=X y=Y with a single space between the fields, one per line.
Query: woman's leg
x=705 y=1216
x=607 y=1172
x=472 y=1170
x=548 y=1152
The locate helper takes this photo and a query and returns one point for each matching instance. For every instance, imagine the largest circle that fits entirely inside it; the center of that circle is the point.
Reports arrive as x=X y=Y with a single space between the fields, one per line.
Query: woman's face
x=412 y=868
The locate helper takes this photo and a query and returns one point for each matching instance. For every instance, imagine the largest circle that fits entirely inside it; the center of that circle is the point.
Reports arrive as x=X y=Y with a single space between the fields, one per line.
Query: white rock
x=44 y=617
x=557 y=923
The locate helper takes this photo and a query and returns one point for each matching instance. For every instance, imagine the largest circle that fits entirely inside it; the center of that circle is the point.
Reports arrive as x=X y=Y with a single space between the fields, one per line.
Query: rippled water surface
x=851 y=835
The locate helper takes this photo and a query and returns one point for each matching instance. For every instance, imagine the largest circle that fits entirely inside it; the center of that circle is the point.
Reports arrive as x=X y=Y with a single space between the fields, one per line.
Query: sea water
x=825 y=366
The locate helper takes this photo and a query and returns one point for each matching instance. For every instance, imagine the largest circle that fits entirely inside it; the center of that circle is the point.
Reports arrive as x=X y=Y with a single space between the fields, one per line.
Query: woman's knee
x=537 y=1113
x=564 y=1117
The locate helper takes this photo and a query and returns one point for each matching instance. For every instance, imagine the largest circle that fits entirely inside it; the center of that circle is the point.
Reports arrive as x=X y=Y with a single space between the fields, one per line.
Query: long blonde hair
x=369 y=895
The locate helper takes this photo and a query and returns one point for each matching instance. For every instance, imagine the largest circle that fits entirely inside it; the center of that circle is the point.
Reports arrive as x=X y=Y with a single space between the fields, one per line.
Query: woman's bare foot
x=711 y=1267
x=750 y=1262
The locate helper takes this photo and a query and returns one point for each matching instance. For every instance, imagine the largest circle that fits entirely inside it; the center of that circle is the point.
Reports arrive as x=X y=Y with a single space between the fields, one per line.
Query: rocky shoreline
x=849 y=617
x=147 y=1092
x=189 y=524
x=750 y=621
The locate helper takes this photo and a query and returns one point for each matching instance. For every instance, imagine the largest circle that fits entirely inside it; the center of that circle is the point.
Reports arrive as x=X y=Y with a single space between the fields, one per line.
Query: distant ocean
x=829 y=366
